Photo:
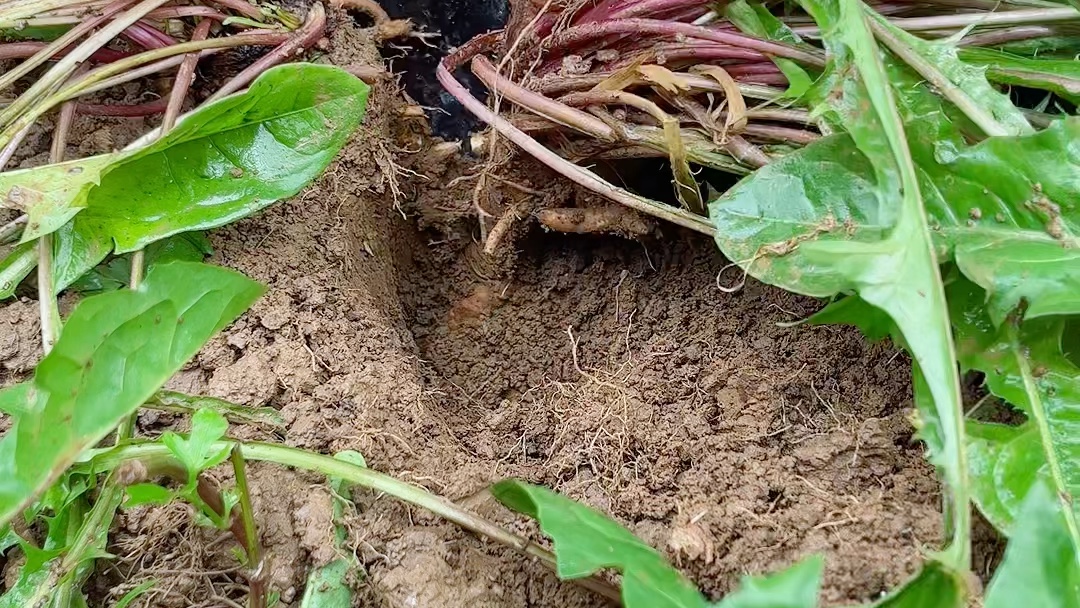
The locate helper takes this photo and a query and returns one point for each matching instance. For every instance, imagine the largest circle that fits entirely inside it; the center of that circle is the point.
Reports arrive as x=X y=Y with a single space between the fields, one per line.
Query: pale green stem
x=50 y=311
x=1041 y=16
x=88 y=544
x=254 y=551
x=332 y=467
x=14 y=11
x=138 y=263
x=913 y=227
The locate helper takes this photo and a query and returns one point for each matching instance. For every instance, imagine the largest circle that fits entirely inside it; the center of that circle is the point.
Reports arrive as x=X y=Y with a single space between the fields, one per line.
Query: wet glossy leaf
x=142 y=494
x=1027 y=368
x=225 y=161
x=1041 y=566
x=587 y=541
x=231 y=158
x=796 y=587
x=76 y=251
x=933 y=587
x=116 y=350
x=19 y=262
x=115 y=273
x=844 y=215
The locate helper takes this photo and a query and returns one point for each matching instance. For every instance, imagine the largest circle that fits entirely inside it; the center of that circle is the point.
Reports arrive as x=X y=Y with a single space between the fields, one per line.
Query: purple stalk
x=550 y=109
x=184 y=77
x=176 y=12
x=575 y=173
x=1002 y=36
x=149 y=108
x=772 y=80
x=639 y=8
x=697 y=53
x=747 y=69
x=147 y=36
x=307 y=35
x=243 y=7
x=577 y=35
x=22 y=50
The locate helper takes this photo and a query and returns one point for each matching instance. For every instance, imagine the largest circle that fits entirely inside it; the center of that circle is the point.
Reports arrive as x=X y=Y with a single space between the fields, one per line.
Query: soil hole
x=456 y=22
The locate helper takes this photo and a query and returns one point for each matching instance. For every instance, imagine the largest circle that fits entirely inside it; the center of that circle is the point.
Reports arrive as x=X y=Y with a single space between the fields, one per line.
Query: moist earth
x=614 y=371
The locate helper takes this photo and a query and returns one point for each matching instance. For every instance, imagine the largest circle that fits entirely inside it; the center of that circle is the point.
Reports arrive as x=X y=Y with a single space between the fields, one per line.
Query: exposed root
x=609 y=219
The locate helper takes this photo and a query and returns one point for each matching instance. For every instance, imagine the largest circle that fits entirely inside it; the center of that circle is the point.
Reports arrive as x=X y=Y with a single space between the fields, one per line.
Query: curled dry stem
x=686 y=187
x=386 y=28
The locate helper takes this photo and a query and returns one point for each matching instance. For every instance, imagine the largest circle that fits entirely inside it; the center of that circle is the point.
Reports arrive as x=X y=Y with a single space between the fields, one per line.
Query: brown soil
x=611 y=370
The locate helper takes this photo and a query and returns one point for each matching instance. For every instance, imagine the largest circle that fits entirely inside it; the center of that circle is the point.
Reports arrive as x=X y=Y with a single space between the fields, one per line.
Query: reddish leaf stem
x=184 y=77
x=149 y=108
x=574 y=36
x=705 y=52
x=243 y=7
x=578 y=175
x=550 y=109
x=147 y=36
x=625 y=9
x=308 y=34
x=22 y=50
